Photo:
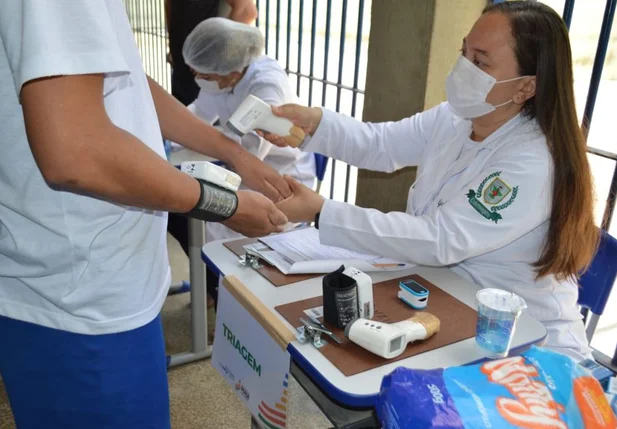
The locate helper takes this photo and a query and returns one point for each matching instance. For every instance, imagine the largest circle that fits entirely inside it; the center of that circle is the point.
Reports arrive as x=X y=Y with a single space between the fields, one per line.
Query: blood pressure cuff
x=215 y=204
x=340 y=298
x=540 y=389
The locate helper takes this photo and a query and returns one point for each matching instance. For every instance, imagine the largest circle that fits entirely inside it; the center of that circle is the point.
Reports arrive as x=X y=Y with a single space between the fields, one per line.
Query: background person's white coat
x=447 y=223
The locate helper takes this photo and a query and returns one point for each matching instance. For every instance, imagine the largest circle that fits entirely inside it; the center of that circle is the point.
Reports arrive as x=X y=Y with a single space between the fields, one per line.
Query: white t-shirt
x=68 y=261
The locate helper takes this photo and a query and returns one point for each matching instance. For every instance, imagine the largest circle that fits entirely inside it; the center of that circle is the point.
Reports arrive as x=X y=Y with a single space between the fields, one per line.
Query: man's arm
x=178 y=124
x=242 y=11
x=78 y=148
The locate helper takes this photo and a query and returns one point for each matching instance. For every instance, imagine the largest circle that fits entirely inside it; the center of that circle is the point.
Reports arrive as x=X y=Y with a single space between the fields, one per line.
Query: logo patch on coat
x=493 y=194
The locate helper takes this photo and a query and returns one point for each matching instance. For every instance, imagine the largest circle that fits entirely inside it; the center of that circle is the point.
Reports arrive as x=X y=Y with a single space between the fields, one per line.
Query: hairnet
x=222 y=46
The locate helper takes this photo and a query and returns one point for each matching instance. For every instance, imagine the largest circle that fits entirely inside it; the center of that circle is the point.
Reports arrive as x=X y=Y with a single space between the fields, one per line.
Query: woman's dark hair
x=542 y=49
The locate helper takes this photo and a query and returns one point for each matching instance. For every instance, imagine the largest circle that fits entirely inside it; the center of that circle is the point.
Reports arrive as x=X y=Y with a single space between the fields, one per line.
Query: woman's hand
x=306 y=118
x=303 y=205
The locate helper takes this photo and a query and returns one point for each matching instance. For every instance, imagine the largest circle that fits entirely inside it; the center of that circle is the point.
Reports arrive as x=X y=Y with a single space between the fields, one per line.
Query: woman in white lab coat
x=226 y=58
x=503 y=193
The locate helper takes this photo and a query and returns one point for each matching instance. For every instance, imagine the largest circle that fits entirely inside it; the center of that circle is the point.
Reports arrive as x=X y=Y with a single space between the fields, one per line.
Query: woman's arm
x=467 y=225
x=386 y=146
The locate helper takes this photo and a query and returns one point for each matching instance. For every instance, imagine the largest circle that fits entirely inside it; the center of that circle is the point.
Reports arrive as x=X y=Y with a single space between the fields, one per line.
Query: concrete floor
x=200 y=397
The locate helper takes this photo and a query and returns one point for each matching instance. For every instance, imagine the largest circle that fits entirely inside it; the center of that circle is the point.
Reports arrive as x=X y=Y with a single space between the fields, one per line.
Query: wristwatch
x=317 y=220
x=215 y=203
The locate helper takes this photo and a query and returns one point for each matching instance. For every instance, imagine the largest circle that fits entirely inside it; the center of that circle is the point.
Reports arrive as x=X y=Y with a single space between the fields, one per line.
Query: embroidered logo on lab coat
x=493 y=194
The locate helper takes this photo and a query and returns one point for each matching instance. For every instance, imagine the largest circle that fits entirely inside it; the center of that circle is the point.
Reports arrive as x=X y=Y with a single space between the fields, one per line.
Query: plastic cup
x=498 y=311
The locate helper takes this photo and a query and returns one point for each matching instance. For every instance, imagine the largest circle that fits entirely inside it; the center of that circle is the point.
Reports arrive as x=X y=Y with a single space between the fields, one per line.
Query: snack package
x=540 y=389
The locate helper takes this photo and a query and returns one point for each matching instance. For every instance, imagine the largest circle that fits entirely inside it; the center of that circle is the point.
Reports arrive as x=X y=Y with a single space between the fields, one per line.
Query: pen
x=388 y=265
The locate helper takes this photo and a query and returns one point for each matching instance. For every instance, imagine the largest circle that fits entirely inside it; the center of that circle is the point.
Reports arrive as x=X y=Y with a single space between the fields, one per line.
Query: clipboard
x=272 y=274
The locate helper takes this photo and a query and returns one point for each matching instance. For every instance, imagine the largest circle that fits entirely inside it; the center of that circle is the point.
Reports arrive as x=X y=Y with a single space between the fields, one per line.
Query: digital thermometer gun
x=255 y=114
x=390 y=340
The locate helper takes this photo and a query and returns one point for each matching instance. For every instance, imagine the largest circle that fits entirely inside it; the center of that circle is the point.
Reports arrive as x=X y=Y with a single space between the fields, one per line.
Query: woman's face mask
x=467 y=87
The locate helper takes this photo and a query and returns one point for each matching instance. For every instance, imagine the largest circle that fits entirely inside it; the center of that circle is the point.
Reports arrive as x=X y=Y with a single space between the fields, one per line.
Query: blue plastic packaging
x=540 y=389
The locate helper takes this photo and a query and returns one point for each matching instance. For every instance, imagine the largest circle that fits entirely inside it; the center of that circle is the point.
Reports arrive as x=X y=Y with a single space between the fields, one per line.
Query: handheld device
x=413 y=294
x=390 y=340
x=212 y=173
x=255 y=114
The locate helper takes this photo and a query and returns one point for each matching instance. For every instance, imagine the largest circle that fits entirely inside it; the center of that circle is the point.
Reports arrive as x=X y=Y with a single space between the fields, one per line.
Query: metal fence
x=321 y=44
x=325 y=71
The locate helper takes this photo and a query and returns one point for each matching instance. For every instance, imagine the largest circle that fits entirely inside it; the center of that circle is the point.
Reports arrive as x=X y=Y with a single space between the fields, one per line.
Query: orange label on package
x=595 y=410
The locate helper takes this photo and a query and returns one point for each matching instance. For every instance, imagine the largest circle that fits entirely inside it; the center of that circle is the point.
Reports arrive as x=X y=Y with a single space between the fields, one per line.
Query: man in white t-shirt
x=84 y=191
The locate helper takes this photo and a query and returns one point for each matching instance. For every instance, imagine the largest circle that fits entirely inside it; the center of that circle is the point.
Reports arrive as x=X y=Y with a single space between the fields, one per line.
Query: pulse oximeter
x=413 y=294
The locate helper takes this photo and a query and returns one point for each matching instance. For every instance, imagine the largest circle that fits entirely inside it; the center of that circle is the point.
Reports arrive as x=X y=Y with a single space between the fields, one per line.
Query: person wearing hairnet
x=227 y=61
x=181 y=17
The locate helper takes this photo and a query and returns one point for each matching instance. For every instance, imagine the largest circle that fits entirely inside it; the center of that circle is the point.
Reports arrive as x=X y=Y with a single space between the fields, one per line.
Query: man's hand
x=256 y=216
x=303 y=205
x=260 y=176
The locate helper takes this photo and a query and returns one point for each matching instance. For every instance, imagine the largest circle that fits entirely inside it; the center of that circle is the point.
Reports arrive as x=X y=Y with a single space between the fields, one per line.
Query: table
x=197 y=277
x=348 y=401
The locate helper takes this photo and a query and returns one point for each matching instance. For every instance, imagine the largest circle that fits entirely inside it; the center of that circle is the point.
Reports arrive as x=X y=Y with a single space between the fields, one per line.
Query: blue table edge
x=344 y=398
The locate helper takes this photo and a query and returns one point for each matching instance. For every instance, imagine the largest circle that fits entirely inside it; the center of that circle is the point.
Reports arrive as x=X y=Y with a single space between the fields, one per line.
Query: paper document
x=300 y=252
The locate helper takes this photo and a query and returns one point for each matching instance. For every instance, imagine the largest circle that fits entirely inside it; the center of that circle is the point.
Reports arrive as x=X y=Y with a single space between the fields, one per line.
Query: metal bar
x=568 y=9
x=341 y=57
x=609 y=210
x=137 y=26
x=325 y=77
x=602 y=153
x=160 y=50
x=188 y=357
x=257 y=19
x=598 y=64
x=328 y=82
x=278 y=28
x=197 y=273
x=150 y=38
x=326 y=50
x=288 y=50
x=354 y=95
x=592 y=324
x=312 y=64
x=267 y=24
x=341 y=60
x=300 y=31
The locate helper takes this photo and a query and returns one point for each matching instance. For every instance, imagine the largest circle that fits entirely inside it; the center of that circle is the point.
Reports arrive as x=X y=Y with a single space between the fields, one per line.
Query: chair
x=321 y=165
x=595 y=288
x=597 y=282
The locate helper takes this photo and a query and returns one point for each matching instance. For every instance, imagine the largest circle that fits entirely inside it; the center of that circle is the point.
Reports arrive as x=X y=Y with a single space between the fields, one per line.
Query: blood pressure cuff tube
x=215 y=204
x=340 y=298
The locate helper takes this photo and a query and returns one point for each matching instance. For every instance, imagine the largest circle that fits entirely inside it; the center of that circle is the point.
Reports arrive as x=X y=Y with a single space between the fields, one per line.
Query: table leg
x=199 y=310
x=254 y=424
x=341 y=417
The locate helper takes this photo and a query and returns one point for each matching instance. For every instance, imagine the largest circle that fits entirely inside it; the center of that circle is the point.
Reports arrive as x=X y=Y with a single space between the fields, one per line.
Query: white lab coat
x=265 y=79
x=493 y=241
